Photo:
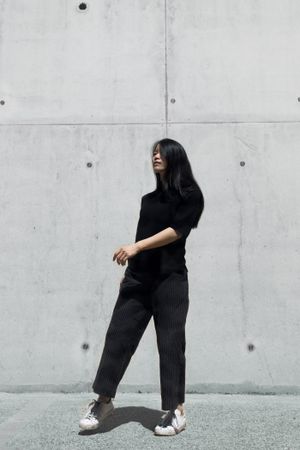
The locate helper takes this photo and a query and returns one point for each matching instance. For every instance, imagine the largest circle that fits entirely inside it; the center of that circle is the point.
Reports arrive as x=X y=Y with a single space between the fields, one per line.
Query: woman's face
x=159 y=162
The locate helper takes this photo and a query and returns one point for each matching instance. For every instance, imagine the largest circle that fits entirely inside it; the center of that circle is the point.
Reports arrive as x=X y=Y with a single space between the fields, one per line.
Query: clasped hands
x=125 y=252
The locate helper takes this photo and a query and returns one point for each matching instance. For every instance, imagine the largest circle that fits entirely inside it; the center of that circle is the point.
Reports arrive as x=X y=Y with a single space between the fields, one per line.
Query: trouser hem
x=104 y=392
x=166 y=406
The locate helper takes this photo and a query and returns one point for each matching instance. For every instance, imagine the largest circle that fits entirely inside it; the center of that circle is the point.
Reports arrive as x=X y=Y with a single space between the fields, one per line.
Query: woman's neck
x=164 y=183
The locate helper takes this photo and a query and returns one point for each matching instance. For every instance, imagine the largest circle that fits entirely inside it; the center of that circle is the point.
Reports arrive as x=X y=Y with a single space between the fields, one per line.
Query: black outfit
x=160 y=210
x=155 y=283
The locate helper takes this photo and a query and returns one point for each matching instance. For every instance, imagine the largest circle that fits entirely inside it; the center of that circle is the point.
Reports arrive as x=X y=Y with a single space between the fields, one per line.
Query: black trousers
x=166 y=298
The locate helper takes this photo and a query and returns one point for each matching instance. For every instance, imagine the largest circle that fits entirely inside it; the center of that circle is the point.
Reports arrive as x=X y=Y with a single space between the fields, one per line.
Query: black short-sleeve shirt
x=160 y=210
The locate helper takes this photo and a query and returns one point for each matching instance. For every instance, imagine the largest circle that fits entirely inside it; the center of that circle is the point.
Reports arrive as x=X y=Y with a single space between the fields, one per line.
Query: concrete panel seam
x=104 y=124
x=150 y=123
x=166 y=70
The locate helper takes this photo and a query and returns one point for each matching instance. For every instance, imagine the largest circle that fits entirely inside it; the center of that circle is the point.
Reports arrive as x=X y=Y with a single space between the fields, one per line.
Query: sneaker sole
x=177 y=431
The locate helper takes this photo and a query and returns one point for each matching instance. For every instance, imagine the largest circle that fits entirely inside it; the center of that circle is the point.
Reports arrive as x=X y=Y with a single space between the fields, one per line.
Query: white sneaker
x=96 y=413
x=171 y=423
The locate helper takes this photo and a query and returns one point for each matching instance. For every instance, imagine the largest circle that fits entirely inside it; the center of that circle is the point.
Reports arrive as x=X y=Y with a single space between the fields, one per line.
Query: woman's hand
x=125 y=252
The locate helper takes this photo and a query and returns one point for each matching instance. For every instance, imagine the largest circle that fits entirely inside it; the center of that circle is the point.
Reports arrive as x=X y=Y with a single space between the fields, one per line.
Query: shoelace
x=167 y=420
x=93 y=404
x=92 y=413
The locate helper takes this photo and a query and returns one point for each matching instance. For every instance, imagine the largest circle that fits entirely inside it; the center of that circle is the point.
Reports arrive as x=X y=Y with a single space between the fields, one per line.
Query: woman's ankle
x=180 y=407
x=104 y=398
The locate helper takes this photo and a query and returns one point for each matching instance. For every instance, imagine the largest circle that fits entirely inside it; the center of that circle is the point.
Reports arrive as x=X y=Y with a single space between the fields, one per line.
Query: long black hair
x=179 y=175
x=179 y=179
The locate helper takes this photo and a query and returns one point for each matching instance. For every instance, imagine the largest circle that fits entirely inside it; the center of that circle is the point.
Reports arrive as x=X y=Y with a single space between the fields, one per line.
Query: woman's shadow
x=147 y=417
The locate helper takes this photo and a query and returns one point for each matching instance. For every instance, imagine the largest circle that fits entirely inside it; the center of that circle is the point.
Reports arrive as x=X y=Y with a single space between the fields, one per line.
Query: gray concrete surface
x=100 y=86
x=38 y=421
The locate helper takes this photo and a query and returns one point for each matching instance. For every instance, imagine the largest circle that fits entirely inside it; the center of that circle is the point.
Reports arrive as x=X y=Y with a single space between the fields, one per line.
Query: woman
x=155 y=284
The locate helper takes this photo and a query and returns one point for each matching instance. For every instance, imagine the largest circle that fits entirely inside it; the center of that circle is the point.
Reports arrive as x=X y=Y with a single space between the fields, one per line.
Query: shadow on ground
x=145 y=416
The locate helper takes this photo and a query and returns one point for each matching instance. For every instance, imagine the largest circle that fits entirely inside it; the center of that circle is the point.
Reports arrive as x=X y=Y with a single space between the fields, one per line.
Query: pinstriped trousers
x=166 y=298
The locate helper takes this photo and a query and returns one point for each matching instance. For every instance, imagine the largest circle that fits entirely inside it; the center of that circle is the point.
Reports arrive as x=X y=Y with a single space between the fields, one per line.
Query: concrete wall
x=99 y=86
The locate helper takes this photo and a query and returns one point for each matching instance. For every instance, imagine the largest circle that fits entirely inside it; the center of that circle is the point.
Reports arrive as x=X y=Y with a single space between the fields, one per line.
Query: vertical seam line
x=166 y=71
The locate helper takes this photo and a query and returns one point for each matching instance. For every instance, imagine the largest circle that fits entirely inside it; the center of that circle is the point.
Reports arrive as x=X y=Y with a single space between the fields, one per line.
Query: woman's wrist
x=138 y=247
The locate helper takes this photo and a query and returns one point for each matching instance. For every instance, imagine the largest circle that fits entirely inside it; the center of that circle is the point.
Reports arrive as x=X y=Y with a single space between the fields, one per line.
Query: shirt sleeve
x=187 y=214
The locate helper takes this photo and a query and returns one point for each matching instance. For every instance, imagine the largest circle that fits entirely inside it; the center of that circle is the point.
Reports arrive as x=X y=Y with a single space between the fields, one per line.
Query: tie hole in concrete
x=82 y=6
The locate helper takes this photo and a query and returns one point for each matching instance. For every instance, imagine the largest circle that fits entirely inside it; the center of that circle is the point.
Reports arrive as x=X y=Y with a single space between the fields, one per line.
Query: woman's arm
x=164 y=237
